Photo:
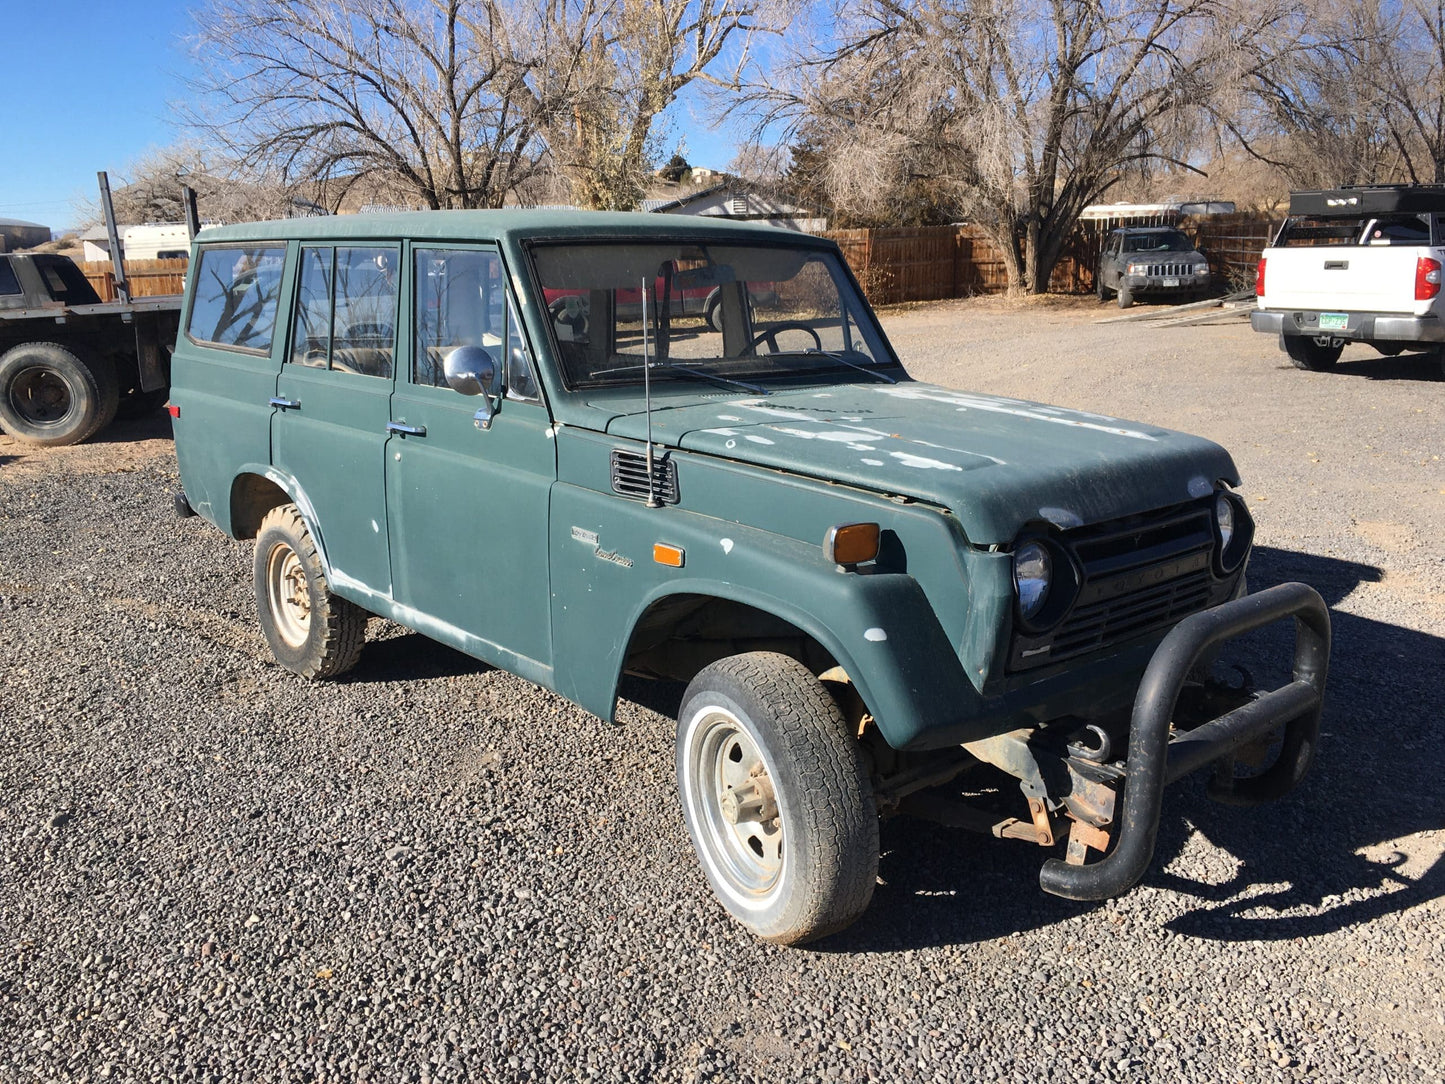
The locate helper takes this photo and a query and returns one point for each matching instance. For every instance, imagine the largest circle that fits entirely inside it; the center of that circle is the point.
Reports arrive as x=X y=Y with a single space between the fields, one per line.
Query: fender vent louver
x=629 y=476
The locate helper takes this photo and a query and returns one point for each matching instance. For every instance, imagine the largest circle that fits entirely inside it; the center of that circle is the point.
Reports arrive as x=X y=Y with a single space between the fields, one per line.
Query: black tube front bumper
x=1154 y=760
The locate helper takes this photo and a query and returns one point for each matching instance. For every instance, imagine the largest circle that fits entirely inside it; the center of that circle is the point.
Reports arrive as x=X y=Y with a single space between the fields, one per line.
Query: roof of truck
x=1369 y=199
x=494 y=226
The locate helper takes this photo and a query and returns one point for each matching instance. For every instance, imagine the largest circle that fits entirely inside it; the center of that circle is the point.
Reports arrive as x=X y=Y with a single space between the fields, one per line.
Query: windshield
x=1162 y=241
x=733 y=314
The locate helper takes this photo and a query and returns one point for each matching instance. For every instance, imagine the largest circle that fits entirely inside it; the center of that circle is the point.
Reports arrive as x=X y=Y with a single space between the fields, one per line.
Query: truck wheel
x=1126 y=296
x=1308 y=353
x=311 y=631
x=776 y=796
x=714 y=311
x=1100 y=290
x=51 y=396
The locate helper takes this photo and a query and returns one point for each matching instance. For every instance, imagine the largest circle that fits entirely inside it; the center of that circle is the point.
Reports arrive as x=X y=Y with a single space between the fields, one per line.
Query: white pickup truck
x=1357 y=264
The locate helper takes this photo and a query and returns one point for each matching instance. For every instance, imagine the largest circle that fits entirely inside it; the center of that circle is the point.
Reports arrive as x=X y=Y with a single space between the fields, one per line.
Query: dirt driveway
x=430 y=870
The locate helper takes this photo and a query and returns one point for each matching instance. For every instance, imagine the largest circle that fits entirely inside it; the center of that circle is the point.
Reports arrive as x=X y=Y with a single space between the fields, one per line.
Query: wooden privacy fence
x=147 y=278
x=929 y=263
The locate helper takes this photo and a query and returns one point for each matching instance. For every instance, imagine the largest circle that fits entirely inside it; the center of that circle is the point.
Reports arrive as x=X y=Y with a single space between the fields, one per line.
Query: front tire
x=1311 y=354
x=51 y=396
x=311 y=631
x=1126 y=296
x=776 y=796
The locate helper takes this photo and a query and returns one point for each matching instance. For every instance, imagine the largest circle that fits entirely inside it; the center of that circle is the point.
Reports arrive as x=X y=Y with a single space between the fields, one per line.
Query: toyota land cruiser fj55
x=871 y=585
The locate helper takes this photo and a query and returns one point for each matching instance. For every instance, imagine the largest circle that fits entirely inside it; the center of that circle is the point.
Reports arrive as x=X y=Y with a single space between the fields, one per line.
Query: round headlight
x=1032 y=572
x=1224 y=516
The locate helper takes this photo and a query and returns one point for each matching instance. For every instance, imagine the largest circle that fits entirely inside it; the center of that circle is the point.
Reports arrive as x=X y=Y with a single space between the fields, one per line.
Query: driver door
x=467 y=505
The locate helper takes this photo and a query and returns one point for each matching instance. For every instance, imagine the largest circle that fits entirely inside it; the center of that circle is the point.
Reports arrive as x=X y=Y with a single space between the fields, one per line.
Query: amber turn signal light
x=851 y=543
x=663 y=554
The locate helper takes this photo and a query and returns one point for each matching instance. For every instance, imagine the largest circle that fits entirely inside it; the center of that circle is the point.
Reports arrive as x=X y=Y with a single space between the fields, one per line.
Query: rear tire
x=51 y=396
x=311 y=631
x=777 y=799
x=1310 y=354
x=1100 y=290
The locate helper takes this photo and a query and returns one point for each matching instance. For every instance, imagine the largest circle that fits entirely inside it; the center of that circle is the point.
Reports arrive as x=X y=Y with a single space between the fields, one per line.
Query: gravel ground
x=212 y=870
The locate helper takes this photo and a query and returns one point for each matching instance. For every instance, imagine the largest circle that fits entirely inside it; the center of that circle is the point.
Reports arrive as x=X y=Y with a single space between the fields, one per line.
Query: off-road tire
x=311 y=631
x=826 y=825
x=1305 y=353
x=1126 y=297
x=51 y=396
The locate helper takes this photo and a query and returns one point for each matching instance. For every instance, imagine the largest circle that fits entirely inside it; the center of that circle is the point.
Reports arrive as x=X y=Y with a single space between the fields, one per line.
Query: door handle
x=1337 y=265
x=406 y=430
x=285 y=404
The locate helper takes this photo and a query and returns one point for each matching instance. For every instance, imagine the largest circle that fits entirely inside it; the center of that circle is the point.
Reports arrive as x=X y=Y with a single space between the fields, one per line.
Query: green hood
x=997 y=463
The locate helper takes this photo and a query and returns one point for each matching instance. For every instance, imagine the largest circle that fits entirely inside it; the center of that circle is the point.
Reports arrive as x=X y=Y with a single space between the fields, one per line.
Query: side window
x=363 y=325
x=233 y=301
x=462 y=300
x=9 y=284
x=311 y=336
x=346 y=310
x=521 y=380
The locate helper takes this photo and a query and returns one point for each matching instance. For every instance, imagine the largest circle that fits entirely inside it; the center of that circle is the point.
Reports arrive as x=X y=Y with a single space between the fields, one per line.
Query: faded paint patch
x=1017 y=408
x=908 y=459
x=1199 y=486
x=722 y=432
x=759 y=440
x=375 y=527
x=1061 y=518
x=726 y=544
x=875 y=635
x=873 y=462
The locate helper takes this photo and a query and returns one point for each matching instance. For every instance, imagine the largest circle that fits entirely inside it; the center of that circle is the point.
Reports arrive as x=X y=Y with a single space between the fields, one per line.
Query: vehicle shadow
x=1423 y=367
x=409 y=656
x=153 y=425
x=1338 y=852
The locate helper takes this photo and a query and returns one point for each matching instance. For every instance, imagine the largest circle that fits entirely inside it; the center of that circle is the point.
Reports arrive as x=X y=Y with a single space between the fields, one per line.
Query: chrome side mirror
x=471 y=370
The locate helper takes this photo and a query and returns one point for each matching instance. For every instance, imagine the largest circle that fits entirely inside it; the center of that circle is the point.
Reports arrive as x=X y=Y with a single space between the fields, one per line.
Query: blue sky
x=96 y=85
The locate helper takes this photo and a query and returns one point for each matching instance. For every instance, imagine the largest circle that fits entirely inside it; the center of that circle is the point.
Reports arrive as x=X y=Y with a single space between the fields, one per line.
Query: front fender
x=880 y=628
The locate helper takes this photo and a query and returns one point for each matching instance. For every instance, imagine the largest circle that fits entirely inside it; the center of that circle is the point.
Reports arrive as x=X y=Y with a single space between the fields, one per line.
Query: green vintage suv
x=581 y=445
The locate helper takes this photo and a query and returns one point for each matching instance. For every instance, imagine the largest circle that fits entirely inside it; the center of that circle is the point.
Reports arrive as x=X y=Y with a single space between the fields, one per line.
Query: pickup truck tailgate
x=1354 y=278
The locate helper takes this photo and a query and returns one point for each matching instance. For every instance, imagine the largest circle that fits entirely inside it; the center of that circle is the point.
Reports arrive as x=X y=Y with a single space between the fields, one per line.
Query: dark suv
x=1141 y=260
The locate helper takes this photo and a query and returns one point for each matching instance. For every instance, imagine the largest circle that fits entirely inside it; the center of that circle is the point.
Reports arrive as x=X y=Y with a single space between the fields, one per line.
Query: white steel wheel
x=311 y=631
x=776 y=796
x=288 y=598
x=735 y=805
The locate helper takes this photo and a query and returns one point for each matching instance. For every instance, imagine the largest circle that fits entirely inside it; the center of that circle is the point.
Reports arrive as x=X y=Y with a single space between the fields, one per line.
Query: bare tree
x=1411 y=78
x=601 y=72
x=413 y=92
x=1316 y=104
x=149 y=189
x=1023 y=111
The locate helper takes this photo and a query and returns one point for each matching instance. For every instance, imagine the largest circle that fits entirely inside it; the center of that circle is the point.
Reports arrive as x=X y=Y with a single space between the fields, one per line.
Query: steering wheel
x=770 y=335
x=571 y=311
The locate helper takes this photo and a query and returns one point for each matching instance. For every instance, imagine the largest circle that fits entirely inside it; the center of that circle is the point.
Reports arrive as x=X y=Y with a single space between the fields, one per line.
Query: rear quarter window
x=9 y=284
x=234 y=297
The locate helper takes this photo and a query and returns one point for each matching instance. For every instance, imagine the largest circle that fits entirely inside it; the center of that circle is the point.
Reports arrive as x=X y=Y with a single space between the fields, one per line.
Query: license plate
x=1171 y=282
x=1334 y=321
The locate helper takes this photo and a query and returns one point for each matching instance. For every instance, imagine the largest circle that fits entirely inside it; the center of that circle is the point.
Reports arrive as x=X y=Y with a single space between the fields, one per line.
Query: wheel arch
x=255 y=490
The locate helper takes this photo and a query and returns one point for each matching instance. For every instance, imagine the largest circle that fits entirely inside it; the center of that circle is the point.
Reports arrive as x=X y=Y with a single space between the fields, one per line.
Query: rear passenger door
x=467 y=505
x=333 y=401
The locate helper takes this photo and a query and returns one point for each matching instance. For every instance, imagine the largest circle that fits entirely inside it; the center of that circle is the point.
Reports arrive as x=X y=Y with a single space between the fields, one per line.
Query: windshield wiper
x=725 y=381
x=838 y=356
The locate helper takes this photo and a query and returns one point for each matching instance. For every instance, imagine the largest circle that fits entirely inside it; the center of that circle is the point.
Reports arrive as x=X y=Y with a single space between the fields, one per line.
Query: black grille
x=629 y=476
x=1172 y=270
x=1136 y=576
